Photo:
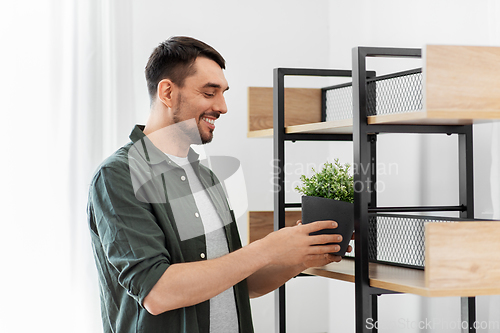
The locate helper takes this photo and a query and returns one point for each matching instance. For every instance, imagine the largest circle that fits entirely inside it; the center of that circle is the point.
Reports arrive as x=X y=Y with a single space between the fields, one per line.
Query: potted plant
x=329 y=195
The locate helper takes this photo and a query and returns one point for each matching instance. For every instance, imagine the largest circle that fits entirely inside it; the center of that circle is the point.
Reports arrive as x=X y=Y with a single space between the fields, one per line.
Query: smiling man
x=165 y=240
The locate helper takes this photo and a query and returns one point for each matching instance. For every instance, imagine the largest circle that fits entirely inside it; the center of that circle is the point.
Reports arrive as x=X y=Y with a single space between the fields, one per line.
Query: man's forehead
x=209 y=73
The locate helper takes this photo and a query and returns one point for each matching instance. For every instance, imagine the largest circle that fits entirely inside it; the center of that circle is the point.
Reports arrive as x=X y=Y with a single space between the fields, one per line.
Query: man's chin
x=206 y=137
x=205 y=140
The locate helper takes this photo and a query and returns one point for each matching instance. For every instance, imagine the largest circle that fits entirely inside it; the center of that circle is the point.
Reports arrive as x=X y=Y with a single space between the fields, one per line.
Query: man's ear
x=165 y=92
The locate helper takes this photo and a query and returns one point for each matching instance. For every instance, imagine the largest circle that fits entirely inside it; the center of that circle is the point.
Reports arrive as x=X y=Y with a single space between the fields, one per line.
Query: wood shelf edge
x=264 y=133
x=398 y=279
x=335 y=126
x=409 y=118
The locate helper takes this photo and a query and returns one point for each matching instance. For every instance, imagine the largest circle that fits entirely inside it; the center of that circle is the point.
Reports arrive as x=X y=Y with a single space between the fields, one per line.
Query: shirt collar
x=152 y=154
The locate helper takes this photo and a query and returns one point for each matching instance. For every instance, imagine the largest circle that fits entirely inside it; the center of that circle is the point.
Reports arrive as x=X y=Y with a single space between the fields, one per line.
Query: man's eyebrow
x=214 y=85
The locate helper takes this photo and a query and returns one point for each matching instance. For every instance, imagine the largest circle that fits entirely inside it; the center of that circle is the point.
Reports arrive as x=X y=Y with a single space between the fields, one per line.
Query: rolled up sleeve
x=130 y=238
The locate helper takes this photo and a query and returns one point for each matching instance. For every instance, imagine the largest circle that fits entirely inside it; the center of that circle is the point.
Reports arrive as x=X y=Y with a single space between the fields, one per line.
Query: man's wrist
x=260 y=253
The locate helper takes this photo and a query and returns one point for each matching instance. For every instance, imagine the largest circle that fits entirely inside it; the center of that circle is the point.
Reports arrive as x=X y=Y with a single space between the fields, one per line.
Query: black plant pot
x=320 y=209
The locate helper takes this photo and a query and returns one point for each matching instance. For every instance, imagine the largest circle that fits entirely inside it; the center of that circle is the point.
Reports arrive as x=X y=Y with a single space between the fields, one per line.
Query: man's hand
x=290 y=251
x=294 y=246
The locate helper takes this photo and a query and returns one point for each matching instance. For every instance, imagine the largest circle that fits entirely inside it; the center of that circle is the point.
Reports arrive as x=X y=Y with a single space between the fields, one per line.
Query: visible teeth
x=211 y=121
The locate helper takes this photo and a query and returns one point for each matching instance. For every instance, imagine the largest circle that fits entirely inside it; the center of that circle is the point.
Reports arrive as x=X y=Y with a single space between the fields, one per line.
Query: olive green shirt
x=133 y=198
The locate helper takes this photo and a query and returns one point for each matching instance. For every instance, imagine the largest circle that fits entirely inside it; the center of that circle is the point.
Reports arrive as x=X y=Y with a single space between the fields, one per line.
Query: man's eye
x=209 y=95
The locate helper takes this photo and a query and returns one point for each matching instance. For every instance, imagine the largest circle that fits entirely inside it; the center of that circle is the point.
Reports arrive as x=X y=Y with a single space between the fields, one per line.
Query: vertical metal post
x=468 y=313
x=373 y=188
x=323 y=105
x=466 y=189
x=466 y=172
x=361 y=147
x=279 y=182
x=375 y=312
x=373 y=203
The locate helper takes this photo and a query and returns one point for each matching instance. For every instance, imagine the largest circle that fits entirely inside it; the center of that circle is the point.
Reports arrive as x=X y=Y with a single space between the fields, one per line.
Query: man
x=165 y=241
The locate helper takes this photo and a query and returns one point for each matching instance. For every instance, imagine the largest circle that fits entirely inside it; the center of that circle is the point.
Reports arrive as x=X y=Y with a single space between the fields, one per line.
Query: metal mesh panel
x=395 y=93
x=398 y=240
x=339 y=103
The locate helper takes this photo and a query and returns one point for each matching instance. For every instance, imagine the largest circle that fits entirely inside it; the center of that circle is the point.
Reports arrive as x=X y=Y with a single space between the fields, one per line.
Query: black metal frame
x=364 y=147
x=279 y=138
x=366 y=297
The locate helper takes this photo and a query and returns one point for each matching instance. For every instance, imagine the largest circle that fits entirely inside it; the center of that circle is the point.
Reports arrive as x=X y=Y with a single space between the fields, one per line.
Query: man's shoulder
x=115 y=163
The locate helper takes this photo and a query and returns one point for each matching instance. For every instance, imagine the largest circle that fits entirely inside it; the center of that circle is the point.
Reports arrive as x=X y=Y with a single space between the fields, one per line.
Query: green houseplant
x=334 y=181
x=329 y=195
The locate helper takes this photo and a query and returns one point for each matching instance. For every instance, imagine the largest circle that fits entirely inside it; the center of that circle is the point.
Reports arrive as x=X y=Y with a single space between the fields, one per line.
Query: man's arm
x=187 y=284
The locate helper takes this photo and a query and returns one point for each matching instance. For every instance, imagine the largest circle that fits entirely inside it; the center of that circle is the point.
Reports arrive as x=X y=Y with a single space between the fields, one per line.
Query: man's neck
x=166 y=136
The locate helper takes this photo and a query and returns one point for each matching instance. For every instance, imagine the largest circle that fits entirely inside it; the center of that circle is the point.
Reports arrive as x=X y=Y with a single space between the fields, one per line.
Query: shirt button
x=183 y=178
x=202 y=255
x=196 y=215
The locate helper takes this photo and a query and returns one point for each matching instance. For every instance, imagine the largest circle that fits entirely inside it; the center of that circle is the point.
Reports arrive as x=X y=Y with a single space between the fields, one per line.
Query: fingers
x=320 y=225
x=324 y=249
x=334 y=258
x=326 y=238
x=318 y=260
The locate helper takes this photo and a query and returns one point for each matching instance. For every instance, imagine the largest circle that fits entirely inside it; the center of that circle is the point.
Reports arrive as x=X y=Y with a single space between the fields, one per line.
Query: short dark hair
x=174 y=58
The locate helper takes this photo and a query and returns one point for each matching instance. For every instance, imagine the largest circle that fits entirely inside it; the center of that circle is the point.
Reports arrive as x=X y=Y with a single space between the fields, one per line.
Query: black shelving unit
x=364 y=138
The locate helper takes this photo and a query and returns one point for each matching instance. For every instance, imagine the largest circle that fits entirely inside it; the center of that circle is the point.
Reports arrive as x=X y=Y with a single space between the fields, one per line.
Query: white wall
x=427 y=171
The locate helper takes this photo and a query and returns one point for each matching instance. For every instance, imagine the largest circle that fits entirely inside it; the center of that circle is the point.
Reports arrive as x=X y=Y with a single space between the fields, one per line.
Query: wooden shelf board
x=343 y=270
x=302 y=106
x=327 y=127
x=451 y=265
x=461 y=80
x=265 y=133
x=399 y=279
x=435 y=117
x=407 y=118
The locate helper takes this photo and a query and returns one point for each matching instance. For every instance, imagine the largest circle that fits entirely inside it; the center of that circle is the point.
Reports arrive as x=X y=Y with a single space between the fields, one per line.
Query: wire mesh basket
x=399 y=239
x=395 y=93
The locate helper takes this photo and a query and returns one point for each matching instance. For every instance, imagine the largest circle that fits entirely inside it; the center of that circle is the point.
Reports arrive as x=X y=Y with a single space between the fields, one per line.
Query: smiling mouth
x=208 y=120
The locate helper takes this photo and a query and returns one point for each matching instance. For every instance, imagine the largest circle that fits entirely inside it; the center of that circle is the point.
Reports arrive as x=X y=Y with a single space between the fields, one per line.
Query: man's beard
x=193 y=133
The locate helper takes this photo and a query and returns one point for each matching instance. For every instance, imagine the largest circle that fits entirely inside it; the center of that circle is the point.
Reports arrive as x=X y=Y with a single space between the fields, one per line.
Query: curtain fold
x=96 y=84
x=66 y=104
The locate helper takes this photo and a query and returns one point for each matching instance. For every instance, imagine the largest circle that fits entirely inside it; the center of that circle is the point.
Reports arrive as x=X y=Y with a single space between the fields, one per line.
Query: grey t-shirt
x=223 y=315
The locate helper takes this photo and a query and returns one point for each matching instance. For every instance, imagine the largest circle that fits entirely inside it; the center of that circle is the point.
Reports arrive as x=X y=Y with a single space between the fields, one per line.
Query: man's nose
x=220 y=105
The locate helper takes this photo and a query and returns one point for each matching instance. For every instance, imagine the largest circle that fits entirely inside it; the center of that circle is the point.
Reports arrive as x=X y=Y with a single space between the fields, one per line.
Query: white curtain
x=65 y=87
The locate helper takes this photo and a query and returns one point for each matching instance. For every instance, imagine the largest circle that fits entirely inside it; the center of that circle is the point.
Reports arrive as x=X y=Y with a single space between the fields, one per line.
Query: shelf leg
x=466 y=188
x=375 y=311
x=279 y=182
x=361 y=149
x=468 y=311
x=280 y=310
x=466 y=172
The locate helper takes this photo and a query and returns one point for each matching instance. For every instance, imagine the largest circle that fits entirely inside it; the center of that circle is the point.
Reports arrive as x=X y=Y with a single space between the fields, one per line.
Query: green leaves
x=333 y=182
